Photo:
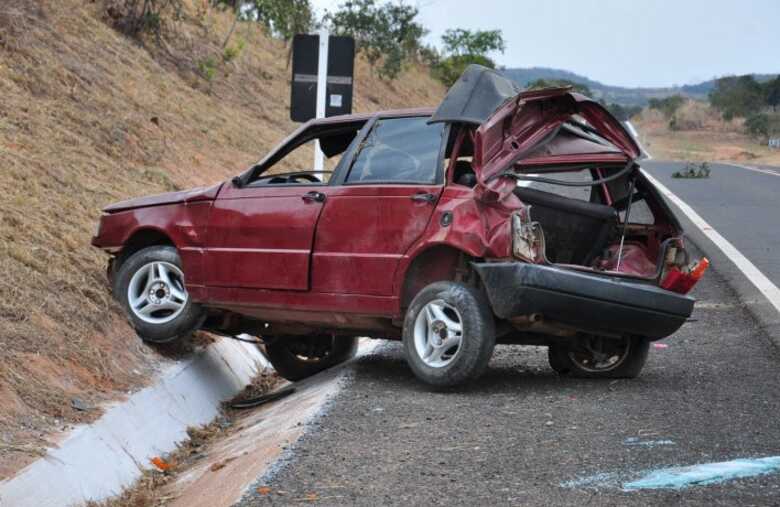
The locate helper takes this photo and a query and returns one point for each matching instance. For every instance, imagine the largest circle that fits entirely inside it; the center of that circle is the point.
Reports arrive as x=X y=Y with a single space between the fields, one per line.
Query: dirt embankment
x=88 y=117
x=701 y=135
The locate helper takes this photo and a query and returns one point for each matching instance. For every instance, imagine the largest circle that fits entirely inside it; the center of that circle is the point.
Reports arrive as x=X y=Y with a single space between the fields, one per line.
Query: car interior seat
x=575 y=231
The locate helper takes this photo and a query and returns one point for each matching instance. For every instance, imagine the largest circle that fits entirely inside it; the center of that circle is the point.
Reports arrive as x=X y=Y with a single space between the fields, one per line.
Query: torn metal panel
x=475 y=96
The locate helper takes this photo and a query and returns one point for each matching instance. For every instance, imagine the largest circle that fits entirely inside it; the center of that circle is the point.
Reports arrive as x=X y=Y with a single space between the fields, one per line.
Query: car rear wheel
x=296 y=358
x=449 y=334
x=150 y=287
x=593 y=356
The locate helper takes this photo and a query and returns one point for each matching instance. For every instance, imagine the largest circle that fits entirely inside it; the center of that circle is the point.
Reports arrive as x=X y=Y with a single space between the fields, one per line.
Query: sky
x=620 y=42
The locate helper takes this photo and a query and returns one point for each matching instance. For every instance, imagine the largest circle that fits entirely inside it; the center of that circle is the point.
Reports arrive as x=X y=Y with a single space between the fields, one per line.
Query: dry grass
x=89 y=117
x=702 y=136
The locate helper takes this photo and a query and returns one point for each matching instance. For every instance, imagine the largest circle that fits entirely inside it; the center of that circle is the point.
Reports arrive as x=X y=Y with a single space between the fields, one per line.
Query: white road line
x=635 y=134
x=754 y=169
x=756 y=277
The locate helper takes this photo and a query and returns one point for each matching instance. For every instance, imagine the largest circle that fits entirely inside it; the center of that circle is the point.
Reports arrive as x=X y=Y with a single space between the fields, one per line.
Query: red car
x=501 y=217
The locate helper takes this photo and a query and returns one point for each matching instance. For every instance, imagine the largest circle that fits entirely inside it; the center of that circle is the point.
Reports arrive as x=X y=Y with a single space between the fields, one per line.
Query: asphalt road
x=522 y=435
x=742 y=205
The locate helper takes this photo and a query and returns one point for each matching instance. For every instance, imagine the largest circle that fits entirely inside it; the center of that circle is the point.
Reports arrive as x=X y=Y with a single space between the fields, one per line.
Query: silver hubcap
x=156 y=293
x=438 y=333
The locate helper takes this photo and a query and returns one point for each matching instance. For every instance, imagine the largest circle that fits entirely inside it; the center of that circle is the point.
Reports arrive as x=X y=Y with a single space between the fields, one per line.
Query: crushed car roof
x=475 y=96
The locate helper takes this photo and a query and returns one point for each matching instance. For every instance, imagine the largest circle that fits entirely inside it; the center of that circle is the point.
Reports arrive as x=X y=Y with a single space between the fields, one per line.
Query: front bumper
x=586 y=301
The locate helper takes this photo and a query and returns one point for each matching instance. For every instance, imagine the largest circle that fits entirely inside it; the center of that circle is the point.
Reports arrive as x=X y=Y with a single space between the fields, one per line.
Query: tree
x=558 y=83
x=460 y=42
x=757 y=125
x=737 y=96
x=282 y=18
x=463 y=48
x=773 y=93
x=622 y=113
x=667 y=105
x=388 y=33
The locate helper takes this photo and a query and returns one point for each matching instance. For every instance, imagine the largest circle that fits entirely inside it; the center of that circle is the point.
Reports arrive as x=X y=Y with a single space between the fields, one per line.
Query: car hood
x=192 y=195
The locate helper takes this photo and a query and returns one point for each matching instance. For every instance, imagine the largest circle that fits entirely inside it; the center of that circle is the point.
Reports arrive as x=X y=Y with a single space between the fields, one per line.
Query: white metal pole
x=322 y=83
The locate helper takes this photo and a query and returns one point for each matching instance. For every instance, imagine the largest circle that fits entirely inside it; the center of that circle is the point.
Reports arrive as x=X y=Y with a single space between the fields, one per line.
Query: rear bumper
x=590 y=302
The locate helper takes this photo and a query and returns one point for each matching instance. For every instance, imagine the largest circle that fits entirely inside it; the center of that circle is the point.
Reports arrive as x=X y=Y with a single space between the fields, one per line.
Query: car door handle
x=313 y=197
x=424 y=197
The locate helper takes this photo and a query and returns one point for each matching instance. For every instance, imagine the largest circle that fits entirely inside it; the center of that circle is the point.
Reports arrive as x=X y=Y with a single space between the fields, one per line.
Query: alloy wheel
x=438 y=333
x=156 y=292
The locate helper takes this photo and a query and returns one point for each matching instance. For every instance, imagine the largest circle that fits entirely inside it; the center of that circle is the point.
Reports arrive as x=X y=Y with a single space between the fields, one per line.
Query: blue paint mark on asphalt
x=634 y=441
x=682 y=477
x=704 y=474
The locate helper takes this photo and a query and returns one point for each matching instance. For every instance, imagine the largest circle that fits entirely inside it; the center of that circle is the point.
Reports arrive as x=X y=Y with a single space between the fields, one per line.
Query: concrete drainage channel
x=99 y=460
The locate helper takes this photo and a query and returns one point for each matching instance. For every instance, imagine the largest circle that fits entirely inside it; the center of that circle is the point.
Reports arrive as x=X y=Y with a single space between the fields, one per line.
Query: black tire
x=296 y=358
x=188 y=320
x=478 y=335
x=629 y=362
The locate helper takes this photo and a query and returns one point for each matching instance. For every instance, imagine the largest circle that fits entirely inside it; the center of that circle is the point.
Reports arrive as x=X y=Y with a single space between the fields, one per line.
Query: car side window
x=399 y=150
x=293 y=164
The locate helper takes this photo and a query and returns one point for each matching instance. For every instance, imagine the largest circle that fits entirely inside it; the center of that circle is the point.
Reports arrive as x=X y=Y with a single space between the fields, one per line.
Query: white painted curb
x=97 y=461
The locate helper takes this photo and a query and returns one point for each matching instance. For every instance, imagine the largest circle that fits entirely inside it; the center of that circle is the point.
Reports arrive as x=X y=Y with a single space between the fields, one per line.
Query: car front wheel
x=593 y=356
x=449 y=334
x=150 y=287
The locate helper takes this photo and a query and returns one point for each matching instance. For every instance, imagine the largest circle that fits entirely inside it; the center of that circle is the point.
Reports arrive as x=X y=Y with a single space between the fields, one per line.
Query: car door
x=261 y=227
x=380 y=205
x=261 y=237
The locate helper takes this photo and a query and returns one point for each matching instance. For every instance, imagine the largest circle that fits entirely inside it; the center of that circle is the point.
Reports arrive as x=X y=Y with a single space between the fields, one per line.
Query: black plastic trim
x=589 y=301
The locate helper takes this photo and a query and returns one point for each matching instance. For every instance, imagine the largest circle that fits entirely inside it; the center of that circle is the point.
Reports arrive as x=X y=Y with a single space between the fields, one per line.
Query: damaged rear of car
x=596 y=267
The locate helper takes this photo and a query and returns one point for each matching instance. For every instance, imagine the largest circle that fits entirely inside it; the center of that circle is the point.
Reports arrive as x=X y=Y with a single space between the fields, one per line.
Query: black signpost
x=305 y=67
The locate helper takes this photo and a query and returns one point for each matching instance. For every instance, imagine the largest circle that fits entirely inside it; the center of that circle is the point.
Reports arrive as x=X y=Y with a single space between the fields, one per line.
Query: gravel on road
x=522 y=435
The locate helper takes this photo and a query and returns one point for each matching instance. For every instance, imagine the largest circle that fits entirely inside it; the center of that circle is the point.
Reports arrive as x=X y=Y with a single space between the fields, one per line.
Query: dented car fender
x=468 y=224
x=183 y=224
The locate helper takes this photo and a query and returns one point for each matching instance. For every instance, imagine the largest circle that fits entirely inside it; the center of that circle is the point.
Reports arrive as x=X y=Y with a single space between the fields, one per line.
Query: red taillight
x=682 y=282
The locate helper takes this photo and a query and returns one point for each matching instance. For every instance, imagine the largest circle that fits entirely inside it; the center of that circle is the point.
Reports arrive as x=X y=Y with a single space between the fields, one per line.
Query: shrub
x=230 y=53
x=757 y=125
x=667 y=105
x=208 y=68
x=135 y=17
x=556 y=83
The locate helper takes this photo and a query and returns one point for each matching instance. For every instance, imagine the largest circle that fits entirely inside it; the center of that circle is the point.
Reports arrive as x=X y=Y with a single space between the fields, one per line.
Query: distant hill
x=617 y=94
